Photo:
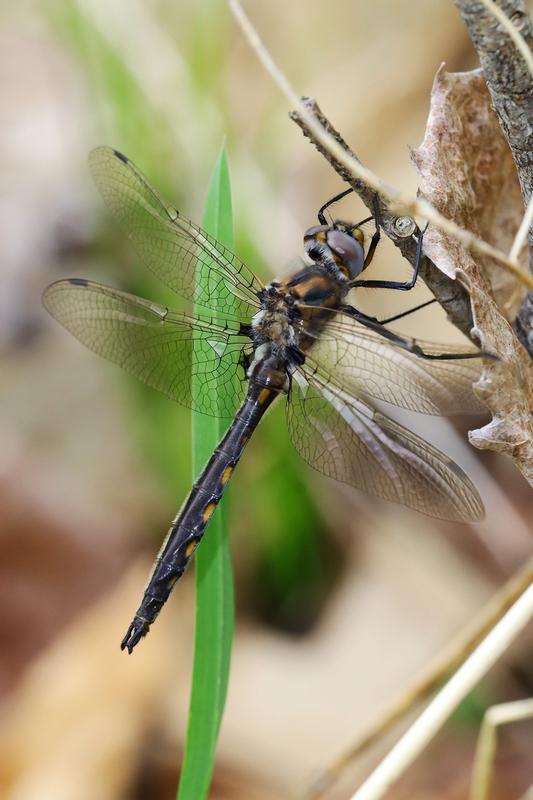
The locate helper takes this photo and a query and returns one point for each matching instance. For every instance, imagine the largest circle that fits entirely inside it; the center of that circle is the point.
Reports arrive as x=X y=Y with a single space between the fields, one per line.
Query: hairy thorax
x=278 y=321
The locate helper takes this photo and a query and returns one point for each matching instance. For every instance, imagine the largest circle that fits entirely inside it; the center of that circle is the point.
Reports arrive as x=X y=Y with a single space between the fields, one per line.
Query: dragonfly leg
x=321 y=217
x=399 y=285
x=402 y=314
x=406 y=313
x=405 y=342
x=377 y=233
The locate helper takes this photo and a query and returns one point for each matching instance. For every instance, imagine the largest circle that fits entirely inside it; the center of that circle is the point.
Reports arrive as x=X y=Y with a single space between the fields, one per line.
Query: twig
x=432 y=676
x=446 y=701
x=402 y=203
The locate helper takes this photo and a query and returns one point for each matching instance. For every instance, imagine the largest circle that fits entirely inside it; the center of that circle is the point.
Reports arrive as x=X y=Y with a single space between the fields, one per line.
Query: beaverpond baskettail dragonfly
x=297 y=337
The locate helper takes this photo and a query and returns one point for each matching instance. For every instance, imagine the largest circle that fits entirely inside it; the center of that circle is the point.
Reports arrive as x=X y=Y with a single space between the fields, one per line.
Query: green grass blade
x=214 y=580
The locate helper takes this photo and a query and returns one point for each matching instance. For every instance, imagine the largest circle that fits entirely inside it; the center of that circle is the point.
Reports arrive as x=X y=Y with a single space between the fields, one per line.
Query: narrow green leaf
x=214 y=580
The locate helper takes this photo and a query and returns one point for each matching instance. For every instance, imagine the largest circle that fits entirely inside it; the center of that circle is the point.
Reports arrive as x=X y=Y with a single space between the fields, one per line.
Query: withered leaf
x=468 y=174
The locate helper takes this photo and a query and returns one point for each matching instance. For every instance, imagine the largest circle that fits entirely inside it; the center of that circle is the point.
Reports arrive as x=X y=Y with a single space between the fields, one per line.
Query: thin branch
x=433 y=675
x=420 y=734
x=401 y=203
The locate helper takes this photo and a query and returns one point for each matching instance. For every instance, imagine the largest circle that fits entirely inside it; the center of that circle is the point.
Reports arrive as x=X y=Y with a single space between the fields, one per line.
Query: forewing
x=363 y=362
x=346 y=439
x=182 y=255
x=160 y=347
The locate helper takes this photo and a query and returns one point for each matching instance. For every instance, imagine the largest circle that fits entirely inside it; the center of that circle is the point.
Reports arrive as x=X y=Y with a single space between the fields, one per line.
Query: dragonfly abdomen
x=191 y=521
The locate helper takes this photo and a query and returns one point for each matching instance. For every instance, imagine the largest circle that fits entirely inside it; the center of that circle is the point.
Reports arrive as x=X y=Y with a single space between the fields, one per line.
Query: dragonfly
x=298 y=337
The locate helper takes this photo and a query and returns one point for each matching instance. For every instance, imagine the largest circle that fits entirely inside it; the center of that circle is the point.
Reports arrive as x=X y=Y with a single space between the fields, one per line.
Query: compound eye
x=349 y=251
x=316 y=232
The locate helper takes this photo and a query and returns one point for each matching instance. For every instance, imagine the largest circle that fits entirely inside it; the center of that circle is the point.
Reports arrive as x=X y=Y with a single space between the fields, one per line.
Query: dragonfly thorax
x=275 y=334
x=278 y=319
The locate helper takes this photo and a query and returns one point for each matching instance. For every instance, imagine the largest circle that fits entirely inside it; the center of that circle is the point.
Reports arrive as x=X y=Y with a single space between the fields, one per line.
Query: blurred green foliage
x=469 y=714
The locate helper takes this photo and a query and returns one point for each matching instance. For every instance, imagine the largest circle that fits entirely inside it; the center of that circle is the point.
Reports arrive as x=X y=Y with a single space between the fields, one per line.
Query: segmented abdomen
x=189 y=525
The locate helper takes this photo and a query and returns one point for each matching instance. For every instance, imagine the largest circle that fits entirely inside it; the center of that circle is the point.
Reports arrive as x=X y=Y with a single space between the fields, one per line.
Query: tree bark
x=511 y=88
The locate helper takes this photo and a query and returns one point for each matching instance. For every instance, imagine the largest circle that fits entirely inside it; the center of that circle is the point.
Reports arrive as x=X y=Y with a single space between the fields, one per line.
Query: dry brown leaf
x=468 y=174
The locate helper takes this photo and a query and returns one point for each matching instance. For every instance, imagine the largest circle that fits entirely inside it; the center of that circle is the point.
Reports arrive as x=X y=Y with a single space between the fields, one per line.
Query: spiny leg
x=409 y=344
x=401 y=314
x=321 y=217
x=377 y=233
x=400 y=285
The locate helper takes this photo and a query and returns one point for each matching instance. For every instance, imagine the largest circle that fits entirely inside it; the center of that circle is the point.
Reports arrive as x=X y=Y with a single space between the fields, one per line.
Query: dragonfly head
x=341 y=242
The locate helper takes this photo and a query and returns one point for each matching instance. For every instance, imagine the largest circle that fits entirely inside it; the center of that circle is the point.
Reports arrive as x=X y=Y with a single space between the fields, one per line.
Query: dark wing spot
x=78 y=281
x=121 y=156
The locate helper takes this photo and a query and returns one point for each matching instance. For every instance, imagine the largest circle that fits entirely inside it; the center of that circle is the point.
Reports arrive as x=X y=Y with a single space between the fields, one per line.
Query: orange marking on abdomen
x=208 y=510
x=226 y=475
x=191 y=547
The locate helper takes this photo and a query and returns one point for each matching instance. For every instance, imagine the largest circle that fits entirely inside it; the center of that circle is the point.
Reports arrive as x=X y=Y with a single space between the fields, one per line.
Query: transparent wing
x=346 y=439
x=186 y=358
x=177 y=251
x=362 y=362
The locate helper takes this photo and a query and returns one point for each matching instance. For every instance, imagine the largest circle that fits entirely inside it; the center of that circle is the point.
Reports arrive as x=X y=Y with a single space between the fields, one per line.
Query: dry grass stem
x=351 y=164
x=433 y=675
x=495 y=717
x=427 y=725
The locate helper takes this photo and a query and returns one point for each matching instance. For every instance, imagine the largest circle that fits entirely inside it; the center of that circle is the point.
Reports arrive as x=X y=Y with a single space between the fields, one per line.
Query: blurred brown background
x=341 y=599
